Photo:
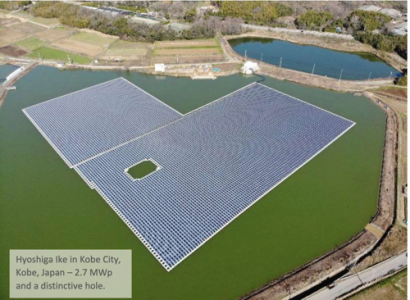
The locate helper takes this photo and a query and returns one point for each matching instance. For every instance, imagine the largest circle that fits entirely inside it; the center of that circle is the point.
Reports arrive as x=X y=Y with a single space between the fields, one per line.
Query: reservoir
x=306 y=58
x=46 y=205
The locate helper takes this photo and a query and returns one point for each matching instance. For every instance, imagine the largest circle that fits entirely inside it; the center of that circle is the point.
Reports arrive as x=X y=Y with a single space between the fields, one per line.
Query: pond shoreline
x=351 y=46
x=235 y=63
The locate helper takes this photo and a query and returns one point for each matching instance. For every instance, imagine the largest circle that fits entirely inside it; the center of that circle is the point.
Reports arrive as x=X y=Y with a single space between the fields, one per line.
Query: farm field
x=138 y=53
x=188 y=51
x=58 y=55
x=8 y=35
x=78 y=47
x=187 y=44
x=11 y=50
x=28 y=27
x=322 y=205
x=53 y=34
x=47 y=22
x=93 y=39
x=31 y=43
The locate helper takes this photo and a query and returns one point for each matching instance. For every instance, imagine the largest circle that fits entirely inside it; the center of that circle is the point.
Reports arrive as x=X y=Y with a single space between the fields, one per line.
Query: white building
x=373 y=8
x=249 y=67
x=393 y=13
x=15 y=73
x=159 y=67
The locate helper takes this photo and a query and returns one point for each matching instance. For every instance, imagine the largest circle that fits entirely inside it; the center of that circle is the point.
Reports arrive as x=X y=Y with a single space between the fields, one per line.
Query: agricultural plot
x=58 y=55
x=94 y=39
x=5 y=22
x=31 y=43
x=28 y=27
x=185 y=51
x=53 y=34
x=78 y=47
x=212 y=164
x=9 y=36
x=127 y=51
x=187 y=44
x=43 y=21
x=11 y=50
x=197 y=51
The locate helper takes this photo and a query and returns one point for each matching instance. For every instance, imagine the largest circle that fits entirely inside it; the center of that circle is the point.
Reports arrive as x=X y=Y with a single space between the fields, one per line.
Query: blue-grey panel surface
x=214 y=164
x=88 y=122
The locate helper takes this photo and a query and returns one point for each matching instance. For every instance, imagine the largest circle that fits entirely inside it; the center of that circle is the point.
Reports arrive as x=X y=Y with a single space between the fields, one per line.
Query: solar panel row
x=215 y=163
x=90 y=121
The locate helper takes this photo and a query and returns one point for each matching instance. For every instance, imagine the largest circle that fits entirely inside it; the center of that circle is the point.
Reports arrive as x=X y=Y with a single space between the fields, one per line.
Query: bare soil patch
x=78 y=47
x=10 y=36
x=4 y=22
x=53 y=34
x=12 y=51
x=186 y=44
x=401 y=94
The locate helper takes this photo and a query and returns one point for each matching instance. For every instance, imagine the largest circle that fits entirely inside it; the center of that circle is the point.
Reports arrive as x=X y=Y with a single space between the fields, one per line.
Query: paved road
x=317 y=33
x=349 y=283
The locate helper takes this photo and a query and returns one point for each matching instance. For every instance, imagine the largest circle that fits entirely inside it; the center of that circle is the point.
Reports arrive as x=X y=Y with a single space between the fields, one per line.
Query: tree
x=313 y=19
x=360 y=20
x=402 y=80
x=190 y=15
x=253 y=11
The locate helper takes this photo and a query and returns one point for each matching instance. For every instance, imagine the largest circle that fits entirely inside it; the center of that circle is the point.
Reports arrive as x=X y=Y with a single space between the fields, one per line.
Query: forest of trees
x=384 y=42
x=360 y=20
x=255 y=12
x=76 y=16
x=314 y=19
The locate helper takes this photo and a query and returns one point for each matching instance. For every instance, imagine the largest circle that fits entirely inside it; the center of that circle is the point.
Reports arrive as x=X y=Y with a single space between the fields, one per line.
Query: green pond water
x=307 y=58
x=6 y=70
x=46 y=205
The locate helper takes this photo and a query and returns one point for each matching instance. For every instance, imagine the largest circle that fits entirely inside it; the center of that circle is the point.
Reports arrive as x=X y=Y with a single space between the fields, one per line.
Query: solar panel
x=88 y=122
x=214 y=162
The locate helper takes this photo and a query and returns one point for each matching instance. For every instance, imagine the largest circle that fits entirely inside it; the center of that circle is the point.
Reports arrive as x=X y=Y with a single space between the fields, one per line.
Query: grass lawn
x=127 y=49
x=393 y=288
x=58 y=55
x=94 y=39
x=31 y=43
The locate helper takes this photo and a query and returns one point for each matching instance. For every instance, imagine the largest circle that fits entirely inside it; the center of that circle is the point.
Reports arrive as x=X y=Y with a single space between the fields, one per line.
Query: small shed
x=250 y=67
x=159 y=67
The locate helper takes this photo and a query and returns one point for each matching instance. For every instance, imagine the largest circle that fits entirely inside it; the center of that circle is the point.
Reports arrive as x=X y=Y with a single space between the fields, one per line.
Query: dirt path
x=397 y=101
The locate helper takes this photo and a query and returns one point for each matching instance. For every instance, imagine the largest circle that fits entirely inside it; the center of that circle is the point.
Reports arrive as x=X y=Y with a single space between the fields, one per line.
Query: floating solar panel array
x=88 y=122
x=214 y=163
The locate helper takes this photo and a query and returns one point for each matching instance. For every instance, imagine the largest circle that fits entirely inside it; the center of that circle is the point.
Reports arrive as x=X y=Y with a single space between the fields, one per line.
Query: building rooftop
x=393 y=13
x=369 y=8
